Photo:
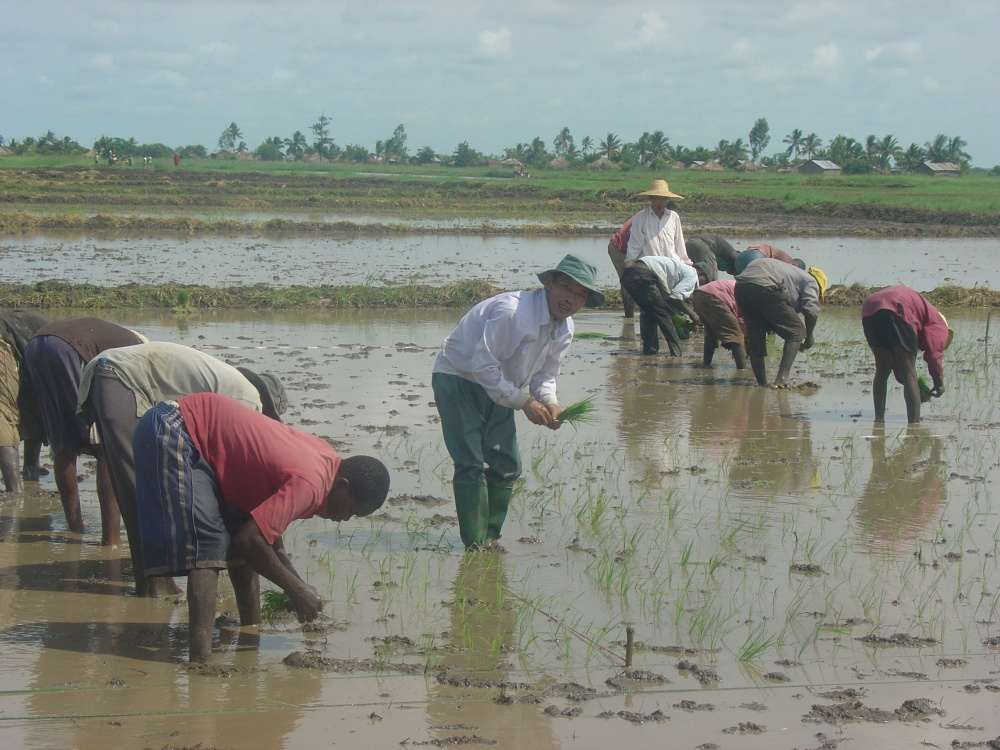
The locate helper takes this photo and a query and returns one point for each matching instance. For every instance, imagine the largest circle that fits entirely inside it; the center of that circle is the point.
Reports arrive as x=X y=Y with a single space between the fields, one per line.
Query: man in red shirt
x=217 y=483
x=617 y=247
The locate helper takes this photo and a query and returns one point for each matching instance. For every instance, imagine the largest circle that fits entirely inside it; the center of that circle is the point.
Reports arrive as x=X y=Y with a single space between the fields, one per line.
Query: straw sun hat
x=659 y=189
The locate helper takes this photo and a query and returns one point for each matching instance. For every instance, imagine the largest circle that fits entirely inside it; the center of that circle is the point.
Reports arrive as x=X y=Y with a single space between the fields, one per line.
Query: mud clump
x=897 y=639
x=856 y=711
x=634 y=717
x=704 y=675
x=635 y=678
x=302 y=660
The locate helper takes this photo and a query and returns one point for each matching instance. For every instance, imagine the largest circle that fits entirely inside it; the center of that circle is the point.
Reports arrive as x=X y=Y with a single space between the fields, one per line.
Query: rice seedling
x=925 y=389
x=274 y=605
x=581 y=412
x=756 y=644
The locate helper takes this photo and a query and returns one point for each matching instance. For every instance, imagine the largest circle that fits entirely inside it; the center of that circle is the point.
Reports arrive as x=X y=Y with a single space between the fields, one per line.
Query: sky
x=496 y=74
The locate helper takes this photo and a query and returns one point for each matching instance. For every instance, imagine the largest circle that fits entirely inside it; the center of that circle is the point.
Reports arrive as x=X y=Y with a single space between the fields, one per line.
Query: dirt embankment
x=109 y=195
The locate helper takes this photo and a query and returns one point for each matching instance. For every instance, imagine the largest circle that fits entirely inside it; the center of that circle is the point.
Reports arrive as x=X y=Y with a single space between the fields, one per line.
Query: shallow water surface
x=751 y=537
x=511 y=262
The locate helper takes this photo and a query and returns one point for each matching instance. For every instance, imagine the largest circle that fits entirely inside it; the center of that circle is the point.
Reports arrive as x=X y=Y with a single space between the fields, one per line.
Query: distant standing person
x=772 y=295
x=120 y=385
x=898 y=322
x=656 y=230
x=617 y=247
x=177 y=159
x=55 y=356
x=19 y=417
x=504 y=356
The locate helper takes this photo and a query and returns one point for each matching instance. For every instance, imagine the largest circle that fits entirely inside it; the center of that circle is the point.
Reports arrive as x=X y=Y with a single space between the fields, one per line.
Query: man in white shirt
x=656 y=230
x=504 y=356
x=661 y=286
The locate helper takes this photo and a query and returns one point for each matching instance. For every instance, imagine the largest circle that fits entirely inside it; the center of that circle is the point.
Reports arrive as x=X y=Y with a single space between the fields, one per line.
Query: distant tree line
x=650 y=150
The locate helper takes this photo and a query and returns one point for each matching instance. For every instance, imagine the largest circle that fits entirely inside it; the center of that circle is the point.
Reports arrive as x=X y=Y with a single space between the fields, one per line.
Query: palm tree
x=794 y=141
x=887 y=148
x=912 y=158
x=937 y=150
x=955 y=153
x=811 y=145
x=295 y=146
x=611 y=146
x=563 y=142
x=844 y=150
x=230 y=137
x=536 y=151
x=729 y=153
x=642 y=151
x=659 y=144
x=628 y=154
x=871 y=148
x=586 y=145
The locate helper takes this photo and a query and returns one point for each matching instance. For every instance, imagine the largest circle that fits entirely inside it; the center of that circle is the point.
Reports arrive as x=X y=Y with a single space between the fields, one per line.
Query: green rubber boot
x=499 y=501
x=472 y=507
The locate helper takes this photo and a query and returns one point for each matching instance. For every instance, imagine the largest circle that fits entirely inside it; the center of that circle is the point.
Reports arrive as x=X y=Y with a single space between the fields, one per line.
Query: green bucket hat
x=583 y=273
x=273 y=398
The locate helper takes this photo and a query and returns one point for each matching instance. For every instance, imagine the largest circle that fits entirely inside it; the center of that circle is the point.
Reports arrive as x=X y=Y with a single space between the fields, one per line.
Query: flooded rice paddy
x=507 y=261
x=796 y=576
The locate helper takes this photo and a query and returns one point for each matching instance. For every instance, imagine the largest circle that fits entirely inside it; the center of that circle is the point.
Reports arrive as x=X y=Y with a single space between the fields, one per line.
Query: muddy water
x=751 y=538
x=508 y=261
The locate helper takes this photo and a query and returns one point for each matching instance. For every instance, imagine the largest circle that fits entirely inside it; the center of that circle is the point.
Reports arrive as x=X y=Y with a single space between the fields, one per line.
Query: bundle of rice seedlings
x=925 y=389
x=274 y=605
x=589 y=335
x=582 y=412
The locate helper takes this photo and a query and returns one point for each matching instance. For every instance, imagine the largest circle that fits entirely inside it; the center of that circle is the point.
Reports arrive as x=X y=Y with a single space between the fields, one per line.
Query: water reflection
x=905 y=491
x=768 y=447
x=475 y=672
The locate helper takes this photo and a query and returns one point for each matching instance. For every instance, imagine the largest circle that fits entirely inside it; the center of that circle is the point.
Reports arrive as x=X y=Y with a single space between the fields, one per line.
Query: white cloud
x=652 y=33
x=825 y=59
x=103 y=63
x=219 y=52
x=908 y=52
x=281 y=76
x=494 y=45
x=165 y=79
x=104 y=31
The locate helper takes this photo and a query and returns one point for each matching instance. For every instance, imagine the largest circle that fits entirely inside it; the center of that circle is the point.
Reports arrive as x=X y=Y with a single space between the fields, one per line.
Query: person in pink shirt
x=715 y=303
x=217 y=483
x=617 y=247
x=898 y=322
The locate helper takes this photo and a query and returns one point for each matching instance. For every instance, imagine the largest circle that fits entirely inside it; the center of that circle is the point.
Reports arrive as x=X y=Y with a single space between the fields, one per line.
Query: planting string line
x=589 y=641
